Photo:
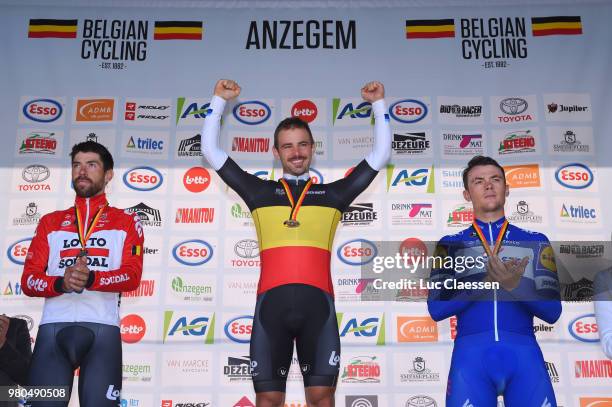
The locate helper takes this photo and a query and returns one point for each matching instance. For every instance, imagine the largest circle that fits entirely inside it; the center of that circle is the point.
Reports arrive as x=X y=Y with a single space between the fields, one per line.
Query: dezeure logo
x=357 y=252
x=408 y=111
x=193 y=252
x=305 y=110
x=574 y=176
x=17 y=251
x=513 y=106
x=239 y=329
x=252 y=112
x=42 y=110
x=143 y=178
x=35 y=173
x=584 y=328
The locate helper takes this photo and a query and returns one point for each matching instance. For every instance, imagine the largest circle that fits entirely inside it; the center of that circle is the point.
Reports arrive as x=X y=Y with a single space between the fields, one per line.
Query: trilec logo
x=239 y=329
x=408 y=111
x=252 y=112
x=43 y=110
x=193 y=252
x=196 y=179
x=143 y=178
x=17 y=251
x=584 y=328
x=357 y=252
x=574 y=176
x=133 y=328
x=305 y=110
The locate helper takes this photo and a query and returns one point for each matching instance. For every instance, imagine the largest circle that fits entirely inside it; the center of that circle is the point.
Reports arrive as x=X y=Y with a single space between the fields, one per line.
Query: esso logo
x=574 y=176
x=584 y=328
x=357 y=252
x=239 y=329
x=133 y=328
x=252 y=112
x=193 y=252
x=143 y=178
x=408 y=111
x=42 y=110
x=17 y=251
x=317 y=177
x=305 y=110
x=196 y=179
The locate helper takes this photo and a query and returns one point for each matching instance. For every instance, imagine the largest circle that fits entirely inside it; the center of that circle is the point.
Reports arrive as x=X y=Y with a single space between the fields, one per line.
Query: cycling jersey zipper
x=494 y=292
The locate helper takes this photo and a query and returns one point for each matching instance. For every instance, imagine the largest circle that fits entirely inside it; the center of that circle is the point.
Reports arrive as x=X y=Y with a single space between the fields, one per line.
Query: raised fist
x=373 y=91
x=227 y=89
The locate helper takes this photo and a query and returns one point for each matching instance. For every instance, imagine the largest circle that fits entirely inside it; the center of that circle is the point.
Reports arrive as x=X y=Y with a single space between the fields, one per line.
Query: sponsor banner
x=365 y=399
x=351 y=112
x=460 y=110
x=419 y=368
x=570 y=141
x=195 y=215
x=188 y=327
x=94 y=110
x=321 y=146
x=153 y=251
x=372 y=192
x=353 y=145
x=250 y=145
x=555 y=370
x=191 y=111
x=415 y=328
x=410 y=180
x=361 y=328
x=312 y=110
x=350 y=252
x=517 y=143
x=242 y=253
x=255 y=112
x=184 y=400
x=153 y=217
x=450 y=180
x=574 y=177
x=147 y=292
x=38 y=143
x=462 y=144
x=195 y=180
x=364 y=368
x=421 y=399
x=142 y=179
x=193 y=253
x=349 y=287
x=513 y=109
x=11 y=292
x=409 y=144
x=581 y=326
x=190 y=289
x=42 y=110
x=147 y=112
x=238 y=216
x=24 y=214
x=139 y=328
x=186 y=369
x=139 y=368
x=235 y=368
x=567 y=107
x=235 y=328
x=188 y=145
x=413 y=213
x=131 y=397
x=362 y=215
x=457 y=215
x=407 y=111
x=577 y=213
x=15 y=251
x=529 y=212
x=593 y=401
x=246 y=399
x=240 y=290
x=105 y=137
x=36 y=179
x=523 y=176
x=589 y=369
x=145 y=144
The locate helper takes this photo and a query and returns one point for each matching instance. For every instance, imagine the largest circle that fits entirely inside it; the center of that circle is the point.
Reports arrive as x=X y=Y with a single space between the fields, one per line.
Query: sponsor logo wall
x=141 y=86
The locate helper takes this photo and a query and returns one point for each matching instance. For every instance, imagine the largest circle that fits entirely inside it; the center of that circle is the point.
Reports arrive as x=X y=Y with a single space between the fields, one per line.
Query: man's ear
x=275 y=152
x=108 y=176
x=466 y=196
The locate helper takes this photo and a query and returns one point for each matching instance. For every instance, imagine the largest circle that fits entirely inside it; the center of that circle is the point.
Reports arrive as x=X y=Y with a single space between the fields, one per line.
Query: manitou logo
x=251 y=144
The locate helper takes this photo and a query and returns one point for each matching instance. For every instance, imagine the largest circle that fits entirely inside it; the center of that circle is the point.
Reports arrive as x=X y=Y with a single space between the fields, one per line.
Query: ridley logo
x=252 y=112
x=408 y=111
x=196 y=179
x=143 y=178
x=305 y=110
x=574 y=176
x=133 y=328
x=357 y=252
x=42 y=110
x=193 y=252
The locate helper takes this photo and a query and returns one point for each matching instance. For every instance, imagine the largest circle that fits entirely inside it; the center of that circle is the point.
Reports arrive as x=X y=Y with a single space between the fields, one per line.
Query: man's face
x=295 y=150
x=487 y=189
x=88 y=175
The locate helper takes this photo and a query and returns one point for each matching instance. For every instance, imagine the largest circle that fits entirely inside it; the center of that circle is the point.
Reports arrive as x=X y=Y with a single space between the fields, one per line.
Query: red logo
x=305 y=110
x=413 y=248
x=244 y=402
x=133 y=328
x=196 y=179
x=166 y=403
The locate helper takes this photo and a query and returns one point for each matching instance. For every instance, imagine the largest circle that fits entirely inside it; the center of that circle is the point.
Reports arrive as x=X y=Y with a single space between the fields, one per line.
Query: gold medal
x=292 y=222
x=85 y=231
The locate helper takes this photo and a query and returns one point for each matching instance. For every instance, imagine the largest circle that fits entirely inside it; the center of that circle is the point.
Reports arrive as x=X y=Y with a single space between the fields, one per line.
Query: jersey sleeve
x=246 y=185
x=349 y=187
x=127 y=277
x=34 y=280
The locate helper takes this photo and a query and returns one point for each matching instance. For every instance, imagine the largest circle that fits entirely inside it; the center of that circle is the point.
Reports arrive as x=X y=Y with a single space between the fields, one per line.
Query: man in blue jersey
x=495 y=350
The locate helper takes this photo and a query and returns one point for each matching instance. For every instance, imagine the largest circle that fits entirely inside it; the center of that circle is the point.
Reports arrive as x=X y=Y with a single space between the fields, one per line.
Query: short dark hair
x=93 y=147
x=478 y=161
x=291 y=123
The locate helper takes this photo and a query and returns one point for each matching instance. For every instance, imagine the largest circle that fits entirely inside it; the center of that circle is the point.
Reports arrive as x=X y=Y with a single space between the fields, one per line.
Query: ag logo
x=184 y=327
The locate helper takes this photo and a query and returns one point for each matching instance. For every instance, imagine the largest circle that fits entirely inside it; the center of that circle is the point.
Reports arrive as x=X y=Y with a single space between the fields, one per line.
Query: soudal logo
x=574 y=176
x=95 y=110
x=416 y=329
x=133 y=328
x=239 y=329
x=145 y=289
x=357 y=252
x=252 y=112
x=17 y=251
x=143 y=178
x=194 y=215
x=196 y=179
x=517 y=142
x=408 y=111
x=513 y=109
x=305 y=110
x=42 y=110
x=251 y=144
x=361 y=369
x=593 y=369
x=584 y=328
x=193 y=252
x=40 y=142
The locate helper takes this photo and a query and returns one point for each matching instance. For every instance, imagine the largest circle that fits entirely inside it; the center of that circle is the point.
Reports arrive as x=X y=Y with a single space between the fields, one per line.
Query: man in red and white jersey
x=80 y=260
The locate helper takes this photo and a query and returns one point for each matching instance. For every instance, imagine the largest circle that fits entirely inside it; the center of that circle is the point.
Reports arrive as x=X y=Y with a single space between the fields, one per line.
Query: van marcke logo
x=523 y=176
x=95 y=110
x=408 y=111
x=574 y=176
x=239 y=329
x=143 y=179
x=305 y=110
x=357 y=252
x=148 y=216
x=196 y=179
x=416 y=329
x=252 y=112
x=517 y=142
x=190 y=147
x=40 y=142
x=361 y=369
x=42 y=110
x=251 y=144
x=410 y=143
x=194 y=252
x=133 y=328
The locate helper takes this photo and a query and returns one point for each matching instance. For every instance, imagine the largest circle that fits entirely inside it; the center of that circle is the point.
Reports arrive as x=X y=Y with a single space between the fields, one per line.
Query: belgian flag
x=178 y=30
x=559 y=25
x=48 y=28
x=430 y=28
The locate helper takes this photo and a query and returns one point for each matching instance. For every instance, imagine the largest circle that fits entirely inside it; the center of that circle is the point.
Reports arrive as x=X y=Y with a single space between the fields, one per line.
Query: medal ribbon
x=85 y=234
x=295 y=207
x=485 y=242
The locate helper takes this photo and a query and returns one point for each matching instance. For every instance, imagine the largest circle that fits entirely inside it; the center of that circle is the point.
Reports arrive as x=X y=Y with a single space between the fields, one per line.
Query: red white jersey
x=114 y=256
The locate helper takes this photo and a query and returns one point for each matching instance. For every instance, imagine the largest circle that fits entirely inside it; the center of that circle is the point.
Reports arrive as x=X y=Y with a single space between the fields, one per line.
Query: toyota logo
x=513 y=106
x=247 y=248
x=35 y=173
